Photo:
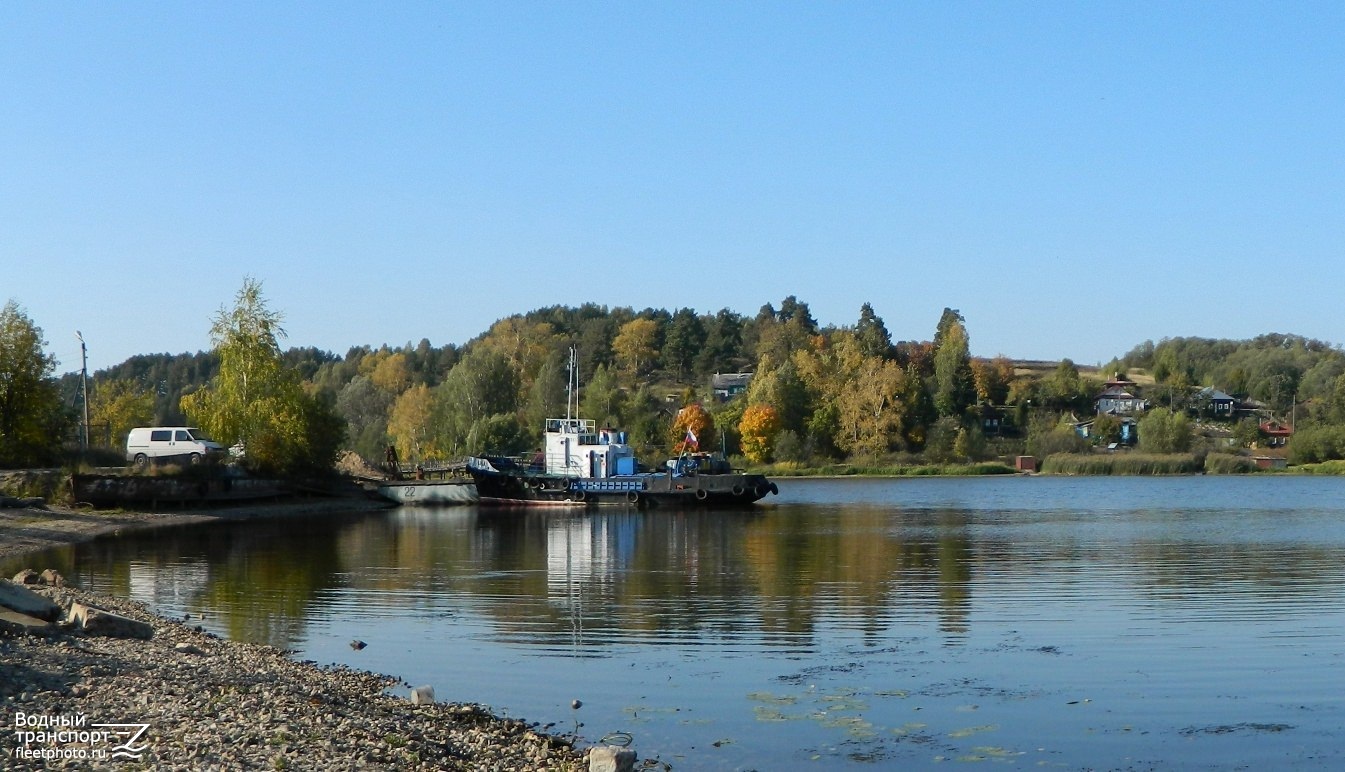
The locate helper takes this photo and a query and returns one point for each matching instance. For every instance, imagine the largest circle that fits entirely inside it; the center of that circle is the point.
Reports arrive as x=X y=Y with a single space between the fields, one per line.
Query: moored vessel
x=582 y=465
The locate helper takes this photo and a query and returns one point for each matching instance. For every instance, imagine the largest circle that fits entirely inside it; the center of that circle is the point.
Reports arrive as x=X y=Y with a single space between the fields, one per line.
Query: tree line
x=818 y=394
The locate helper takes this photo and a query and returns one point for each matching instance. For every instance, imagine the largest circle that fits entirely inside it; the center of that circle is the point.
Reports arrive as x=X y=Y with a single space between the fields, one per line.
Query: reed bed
x=1122 y=464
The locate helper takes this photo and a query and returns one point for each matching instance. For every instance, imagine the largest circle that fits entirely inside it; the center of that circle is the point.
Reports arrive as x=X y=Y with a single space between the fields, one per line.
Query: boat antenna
x=572 y=389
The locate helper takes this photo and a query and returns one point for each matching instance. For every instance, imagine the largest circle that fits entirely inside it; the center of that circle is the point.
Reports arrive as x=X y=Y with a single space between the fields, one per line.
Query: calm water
x=1194 y=623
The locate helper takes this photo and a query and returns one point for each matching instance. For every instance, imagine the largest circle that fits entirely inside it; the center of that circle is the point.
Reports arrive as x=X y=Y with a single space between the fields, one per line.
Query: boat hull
x=516 y=486
x=430 y=492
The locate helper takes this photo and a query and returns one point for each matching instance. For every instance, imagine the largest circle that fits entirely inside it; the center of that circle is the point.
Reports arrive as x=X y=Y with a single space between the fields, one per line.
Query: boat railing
x=432 y=470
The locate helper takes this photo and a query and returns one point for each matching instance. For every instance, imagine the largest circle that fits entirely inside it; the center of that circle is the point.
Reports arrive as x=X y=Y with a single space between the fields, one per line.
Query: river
x=1115 y=623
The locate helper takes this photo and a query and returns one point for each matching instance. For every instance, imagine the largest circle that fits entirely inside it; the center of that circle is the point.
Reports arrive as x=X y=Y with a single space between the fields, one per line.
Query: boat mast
x=572 y=389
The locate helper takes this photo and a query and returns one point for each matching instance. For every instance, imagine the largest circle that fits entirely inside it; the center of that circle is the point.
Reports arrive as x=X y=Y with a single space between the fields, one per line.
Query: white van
x=185 y=443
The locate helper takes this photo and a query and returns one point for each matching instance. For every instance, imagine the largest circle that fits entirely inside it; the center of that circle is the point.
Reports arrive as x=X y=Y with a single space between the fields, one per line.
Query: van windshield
x=199 y=435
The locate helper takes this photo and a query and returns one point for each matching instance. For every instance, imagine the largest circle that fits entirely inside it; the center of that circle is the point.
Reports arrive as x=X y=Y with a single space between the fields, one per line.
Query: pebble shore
x=212 y=704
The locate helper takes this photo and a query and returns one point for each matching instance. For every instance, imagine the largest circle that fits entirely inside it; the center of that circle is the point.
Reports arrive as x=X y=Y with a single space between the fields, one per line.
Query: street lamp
x=84 y=389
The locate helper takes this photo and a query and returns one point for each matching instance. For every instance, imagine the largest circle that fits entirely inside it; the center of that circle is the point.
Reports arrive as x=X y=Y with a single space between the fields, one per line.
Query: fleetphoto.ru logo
x=45 y=737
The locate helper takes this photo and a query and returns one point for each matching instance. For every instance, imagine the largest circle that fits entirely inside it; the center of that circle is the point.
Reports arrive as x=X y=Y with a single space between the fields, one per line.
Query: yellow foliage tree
x=409 y=424
x=870 y=408
x=525 y=344
x=120 y=405
x=758 y=428
x=634 y=345
x=392 y=373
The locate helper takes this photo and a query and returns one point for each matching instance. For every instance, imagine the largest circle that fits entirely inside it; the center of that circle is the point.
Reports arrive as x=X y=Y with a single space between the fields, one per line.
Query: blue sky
x=1074 y=177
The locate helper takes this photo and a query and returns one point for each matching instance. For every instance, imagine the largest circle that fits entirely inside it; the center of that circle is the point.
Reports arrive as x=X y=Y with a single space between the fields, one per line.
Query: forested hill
x=834 y=392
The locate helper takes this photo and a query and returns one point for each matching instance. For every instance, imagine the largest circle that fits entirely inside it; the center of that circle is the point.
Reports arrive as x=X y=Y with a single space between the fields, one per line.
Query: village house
x=726 y=386
x=1215 y=404
x=1277 y=434
x=1120 y=397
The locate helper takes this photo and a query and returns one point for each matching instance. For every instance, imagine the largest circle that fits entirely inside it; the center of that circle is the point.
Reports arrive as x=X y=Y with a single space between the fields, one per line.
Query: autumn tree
x=636 y=346
x=782 y=389
x=392 y=373
x=992 y=379
x=32 y=421
x=120 y=405
x=760 y=424
x=870 y=408
x=525 y=344
x=410 y=426
x=255 y=399
x=696 y=420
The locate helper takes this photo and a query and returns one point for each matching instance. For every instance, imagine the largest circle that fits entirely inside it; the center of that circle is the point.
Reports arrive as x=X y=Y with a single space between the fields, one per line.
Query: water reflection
x=856 y=620
x=587 y=581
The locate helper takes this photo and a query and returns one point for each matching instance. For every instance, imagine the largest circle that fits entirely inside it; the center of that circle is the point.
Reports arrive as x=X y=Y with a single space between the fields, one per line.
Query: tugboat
x=581 y=465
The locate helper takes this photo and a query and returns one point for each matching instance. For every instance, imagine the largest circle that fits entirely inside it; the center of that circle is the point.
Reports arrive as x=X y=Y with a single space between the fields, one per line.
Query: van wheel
x=195 y=459
x=141 y=461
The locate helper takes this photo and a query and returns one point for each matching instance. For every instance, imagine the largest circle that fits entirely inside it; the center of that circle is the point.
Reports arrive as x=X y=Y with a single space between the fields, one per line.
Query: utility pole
x=84 y=389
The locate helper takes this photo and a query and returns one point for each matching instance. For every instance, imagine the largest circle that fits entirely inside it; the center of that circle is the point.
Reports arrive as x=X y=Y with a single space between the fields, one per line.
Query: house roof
x=1115 y=392
x=730 y=380
x=1276 y=428
x=1213 y=394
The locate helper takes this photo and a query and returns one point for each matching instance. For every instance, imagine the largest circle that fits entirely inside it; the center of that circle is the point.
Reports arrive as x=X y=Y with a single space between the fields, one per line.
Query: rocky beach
x=90 y=682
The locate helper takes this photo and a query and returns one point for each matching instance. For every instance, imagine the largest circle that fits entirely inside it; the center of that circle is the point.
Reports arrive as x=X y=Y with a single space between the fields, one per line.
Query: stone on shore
x=610 y=758
x=51 y=578
x=26 y=576
x=95 y=621
x=422 y=695
x=12 y=622
x=25 y=601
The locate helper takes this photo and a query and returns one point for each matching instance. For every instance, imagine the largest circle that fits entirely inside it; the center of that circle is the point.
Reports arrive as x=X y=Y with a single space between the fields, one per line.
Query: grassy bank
x=1325 y=468
x=1146 y=464
x=793 y=469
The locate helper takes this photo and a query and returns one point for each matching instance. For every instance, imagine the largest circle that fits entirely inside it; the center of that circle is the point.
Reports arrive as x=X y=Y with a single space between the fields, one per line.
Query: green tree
x=1247 y=432
x=784 y=390
x=686 y=337
x=723 y=348
x=256 y=400
x=482 y=384
x=954 y=384
x=1063 y=389
x=1164 y=431
x=601 y=398
x=32 y=421
x=365 y=408
x=874 y=339
x=1050 y=433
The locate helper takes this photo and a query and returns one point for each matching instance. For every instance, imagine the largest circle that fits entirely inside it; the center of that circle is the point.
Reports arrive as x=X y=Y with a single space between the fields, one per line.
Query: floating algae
x=772 y=699
x=973 y=730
